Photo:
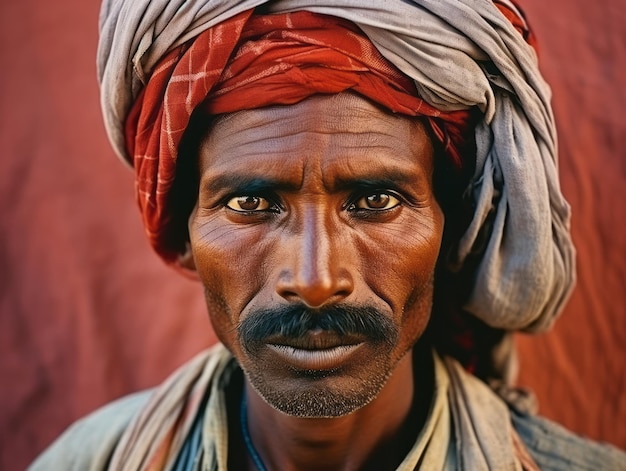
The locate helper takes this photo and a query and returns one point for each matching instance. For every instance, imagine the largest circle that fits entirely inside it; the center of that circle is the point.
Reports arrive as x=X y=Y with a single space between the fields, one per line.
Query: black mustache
x=295 y=321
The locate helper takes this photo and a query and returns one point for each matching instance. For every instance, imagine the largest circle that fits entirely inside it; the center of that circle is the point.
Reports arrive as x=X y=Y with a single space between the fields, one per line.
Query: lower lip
x=320 y=360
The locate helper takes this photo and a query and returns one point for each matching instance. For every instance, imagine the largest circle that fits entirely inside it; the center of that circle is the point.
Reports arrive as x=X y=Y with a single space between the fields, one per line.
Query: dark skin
x=310 y=205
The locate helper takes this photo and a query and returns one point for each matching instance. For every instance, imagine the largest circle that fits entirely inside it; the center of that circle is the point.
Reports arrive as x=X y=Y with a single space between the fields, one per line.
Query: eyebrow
x=254 y=184
x=238 y=183
x=391 y=179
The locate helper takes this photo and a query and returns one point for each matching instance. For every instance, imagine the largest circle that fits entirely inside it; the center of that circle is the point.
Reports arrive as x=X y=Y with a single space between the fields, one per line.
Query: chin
x=319 y=400
x=321 y=394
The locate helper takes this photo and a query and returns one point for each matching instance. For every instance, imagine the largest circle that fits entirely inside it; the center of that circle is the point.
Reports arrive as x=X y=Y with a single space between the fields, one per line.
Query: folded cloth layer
x=463 y=411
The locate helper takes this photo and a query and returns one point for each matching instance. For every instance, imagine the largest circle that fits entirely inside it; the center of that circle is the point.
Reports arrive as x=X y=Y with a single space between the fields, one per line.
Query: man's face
x=316 y=235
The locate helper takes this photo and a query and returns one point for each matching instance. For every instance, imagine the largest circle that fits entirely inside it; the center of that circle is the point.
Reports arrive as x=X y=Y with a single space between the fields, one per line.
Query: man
x=365 y=193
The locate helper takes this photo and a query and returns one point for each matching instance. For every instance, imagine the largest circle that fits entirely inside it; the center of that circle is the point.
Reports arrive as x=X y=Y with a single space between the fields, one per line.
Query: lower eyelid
x=273 y=209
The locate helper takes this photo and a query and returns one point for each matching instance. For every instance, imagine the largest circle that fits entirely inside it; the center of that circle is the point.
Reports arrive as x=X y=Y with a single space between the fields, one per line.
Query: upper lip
x=316 y=340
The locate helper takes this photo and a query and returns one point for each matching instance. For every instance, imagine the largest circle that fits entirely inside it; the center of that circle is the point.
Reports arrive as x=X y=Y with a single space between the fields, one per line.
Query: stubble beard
x=319 y=397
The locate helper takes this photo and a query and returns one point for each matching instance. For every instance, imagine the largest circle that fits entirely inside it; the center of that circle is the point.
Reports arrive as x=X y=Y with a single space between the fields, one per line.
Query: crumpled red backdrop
x=88 y=313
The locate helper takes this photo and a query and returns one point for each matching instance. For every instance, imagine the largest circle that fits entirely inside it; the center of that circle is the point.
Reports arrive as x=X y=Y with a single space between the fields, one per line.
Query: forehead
x=341 y=135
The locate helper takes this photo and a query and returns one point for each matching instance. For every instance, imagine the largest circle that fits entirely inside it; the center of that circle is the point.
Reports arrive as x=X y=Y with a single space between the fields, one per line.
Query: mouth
x=316 y=351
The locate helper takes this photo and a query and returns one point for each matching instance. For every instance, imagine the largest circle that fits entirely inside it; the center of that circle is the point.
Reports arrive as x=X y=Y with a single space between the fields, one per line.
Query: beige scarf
x=468 y=426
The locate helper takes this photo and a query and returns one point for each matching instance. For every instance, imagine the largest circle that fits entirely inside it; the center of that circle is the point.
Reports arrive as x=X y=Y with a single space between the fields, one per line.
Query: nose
x=315 y=270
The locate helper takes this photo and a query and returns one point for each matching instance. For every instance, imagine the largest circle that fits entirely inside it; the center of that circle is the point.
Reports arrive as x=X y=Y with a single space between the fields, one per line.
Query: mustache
x=296 y=321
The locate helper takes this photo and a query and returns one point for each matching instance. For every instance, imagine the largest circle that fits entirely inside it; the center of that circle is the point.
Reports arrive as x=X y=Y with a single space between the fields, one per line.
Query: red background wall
x=88 y=313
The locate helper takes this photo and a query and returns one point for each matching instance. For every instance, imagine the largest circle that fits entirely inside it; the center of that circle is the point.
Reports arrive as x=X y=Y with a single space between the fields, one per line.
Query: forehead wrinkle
x=352 y=172
x=324 y=131
x=407 y=160
x=239 y=168
x=229 y=149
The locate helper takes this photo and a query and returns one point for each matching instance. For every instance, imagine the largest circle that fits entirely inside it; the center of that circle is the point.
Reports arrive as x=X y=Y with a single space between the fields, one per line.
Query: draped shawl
x=464 y=414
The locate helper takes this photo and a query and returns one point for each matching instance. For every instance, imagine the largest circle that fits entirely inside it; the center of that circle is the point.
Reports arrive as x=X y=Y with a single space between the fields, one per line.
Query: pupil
x=249 y=203
x=379 y=200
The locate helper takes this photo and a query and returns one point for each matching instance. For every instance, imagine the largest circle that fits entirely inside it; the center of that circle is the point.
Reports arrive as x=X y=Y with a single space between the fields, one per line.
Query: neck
x=376 y=436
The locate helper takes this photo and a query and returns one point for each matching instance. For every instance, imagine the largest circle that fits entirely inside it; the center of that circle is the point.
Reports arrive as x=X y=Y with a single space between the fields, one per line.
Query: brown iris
x=377 y=201
x=248 y=203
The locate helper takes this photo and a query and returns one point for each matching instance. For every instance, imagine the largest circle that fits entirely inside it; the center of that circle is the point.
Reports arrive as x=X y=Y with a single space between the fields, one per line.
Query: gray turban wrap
x=461 y=54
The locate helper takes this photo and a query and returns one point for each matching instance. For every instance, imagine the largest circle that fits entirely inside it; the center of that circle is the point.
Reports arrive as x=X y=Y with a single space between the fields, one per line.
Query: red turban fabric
x=251 y=61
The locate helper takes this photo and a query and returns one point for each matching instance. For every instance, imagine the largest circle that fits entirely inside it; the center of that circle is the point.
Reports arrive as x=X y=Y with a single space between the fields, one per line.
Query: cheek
x=401 y=259
x=230 y=261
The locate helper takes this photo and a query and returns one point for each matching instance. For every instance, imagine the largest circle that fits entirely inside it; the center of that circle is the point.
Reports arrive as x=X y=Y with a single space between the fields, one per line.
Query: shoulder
x=89 y=442
x=555 y=448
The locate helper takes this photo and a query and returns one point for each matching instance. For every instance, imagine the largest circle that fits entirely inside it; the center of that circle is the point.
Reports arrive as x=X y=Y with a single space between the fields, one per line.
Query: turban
x=458 y=54
x=248 y=62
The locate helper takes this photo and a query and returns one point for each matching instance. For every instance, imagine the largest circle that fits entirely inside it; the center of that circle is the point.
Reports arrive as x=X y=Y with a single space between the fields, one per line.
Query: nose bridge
x=317 y=275
x=315 y=250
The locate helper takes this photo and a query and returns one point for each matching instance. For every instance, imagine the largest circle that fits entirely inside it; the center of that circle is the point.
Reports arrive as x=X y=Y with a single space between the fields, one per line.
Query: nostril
x=345 y=285
x=315 y=292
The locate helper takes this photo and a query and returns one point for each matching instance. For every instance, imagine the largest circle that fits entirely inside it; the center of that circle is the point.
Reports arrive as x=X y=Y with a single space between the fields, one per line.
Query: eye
x=247 y=203
x=378 y=201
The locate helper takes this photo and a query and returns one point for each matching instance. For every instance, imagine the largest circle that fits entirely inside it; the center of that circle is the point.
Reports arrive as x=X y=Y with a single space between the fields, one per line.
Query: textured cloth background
x=89 y=313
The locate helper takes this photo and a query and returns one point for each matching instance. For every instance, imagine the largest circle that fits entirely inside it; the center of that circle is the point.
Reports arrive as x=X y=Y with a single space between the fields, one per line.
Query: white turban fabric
x=461 y=54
